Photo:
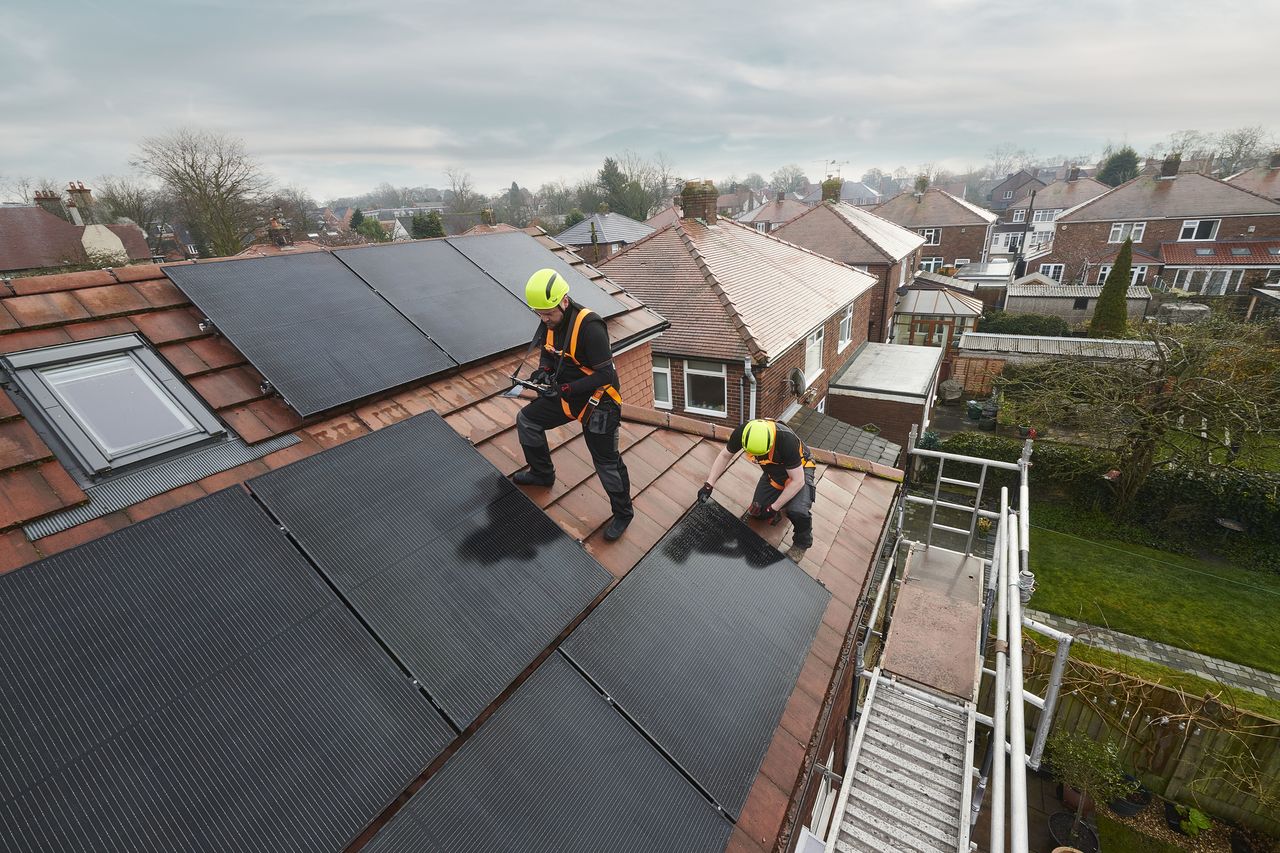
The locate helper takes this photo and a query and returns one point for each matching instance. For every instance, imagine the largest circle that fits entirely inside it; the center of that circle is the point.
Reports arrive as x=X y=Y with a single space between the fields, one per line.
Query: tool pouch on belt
x=603 y=420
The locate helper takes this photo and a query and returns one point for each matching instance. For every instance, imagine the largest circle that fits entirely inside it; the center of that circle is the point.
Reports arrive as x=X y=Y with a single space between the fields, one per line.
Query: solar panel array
x=190 y=683
x=462 y=577
x=701 y=645
x=328 y=329
x=556 y=770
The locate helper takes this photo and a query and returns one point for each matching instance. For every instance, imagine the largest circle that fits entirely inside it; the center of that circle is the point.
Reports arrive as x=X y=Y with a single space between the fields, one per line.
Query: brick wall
x=734 y=375
x=635 y=373
x=958 y=241
x=976 y=373
x=894 y=419
x=1074 y=243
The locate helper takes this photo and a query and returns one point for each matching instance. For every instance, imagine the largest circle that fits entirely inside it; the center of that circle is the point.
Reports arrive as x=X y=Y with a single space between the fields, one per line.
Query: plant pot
x=1084 y=838
x=1240 y=842
x=1024 y=431
x=1172 y=818
x=1071 y=799
x=1133 y=803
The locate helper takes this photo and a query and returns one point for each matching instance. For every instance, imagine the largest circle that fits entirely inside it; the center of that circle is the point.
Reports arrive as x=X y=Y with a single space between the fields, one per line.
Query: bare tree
x=23 y=188
x=296 y=207
x=555 y=198
x=130 y=198
x=790 y=178
x=1007 y=158
x=1241 y=148
x=463 y=197
x=220 y=187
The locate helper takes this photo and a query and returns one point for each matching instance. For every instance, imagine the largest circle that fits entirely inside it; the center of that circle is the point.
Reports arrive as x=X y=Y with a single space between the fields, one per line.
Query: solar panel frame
x=319 y=334
x=511 y=257
x=190 y=682
x=556 y=769
x=465 y=311
x=701 y=645
x=456 y=571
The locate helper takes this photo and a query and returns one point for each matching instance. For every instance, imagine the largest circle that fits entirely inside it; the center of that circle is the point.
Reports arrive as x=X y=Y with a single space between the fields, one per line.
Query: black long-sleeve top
x=593 y=350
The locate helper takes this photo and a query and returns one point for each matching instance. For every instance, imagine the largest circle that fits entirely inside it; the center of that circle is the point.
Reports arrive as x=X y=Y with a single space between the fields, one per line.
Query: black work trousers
x=543 y=414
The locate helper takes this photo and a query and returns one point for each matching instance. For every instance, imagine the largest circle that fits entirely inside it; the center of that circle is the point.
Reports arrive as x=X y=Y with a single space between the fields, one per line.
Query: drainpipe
x=751 y=377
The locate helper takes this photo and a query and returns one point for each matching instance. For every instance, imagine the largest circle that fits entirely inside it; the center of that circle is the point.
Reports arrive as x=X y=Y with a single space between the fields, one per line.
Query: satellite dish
x=797 y=381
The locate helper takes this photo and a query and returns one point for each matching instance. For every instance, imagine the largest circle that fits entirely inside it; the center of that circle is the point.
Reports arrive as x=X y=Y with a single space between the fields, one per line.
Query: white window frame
x=1132 y=230
x=1047 y=270
x=1194 y=225
x=813 y=340
x=960 y=262
x=822 y=405
x=1272 y=277
x=1137 y=274
x=666 y=369
x=846 y=329
x=1008 y=193
x=1045 y=215
x=1020 y=215
x=762 y=227
x=723 y=375
x=932 y=264
x=932 y=236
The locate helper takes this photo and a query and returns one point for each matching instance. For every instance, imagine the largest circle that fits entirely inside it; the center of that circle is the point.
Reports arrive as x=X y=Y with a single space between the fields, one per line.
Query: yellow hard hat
x=545 y=289
x=757 y=438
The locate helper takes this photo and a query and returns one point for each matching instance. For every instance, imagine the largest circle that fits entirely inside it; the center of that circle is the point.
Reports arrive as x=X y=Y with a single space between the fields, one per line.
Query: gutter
x=751 y=378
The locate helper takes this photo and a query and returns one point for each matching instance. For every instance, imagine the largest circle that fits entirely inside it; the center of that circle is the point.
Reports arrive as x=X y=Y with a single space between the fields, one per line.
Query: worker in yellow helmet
x=786 y=479
x=577 y=382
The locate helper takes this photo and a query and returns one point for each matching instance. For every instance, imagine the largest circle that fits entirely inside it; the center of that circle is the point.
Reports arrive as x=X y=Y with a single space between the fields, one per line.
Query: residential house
x=174 y=559
x=664 y=217
x=956 y=232
x=1014 y=234
x=738 y=201
x=857 y=237
x=601 y=234
x=1154 y=211
x=990 y=280
x=851 y=192
x=1221 y=267
x=1263 y=180
x=887 y=388
x=758 y=325
x=935 y=317
x=771 y=216
x=1015 y=187
x=1075 y=303
x=35 y=241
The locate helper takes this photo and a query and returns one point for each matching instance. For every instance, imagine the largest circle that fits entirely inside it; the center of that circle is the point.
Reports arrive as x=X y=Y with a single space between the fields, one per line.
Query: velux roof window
x=111 y=402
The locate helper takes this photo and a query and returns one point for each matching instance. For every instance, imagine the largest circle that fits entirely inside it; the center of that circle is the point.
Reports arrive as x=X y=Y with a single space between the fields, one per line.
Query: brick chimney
x=279 y=233
x=1169 y=169
x=698 y=201
x=1073 y=174
x=74 y=213
x=781 y=196
x=831 y=188
x=52 y=203
x=1275 y=160
x=82 y=198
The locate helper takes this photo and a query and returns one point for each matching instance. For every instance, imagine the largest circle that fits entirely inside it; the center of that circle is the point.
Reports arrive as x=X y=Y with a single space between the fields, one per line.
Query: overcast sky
x=337 y=97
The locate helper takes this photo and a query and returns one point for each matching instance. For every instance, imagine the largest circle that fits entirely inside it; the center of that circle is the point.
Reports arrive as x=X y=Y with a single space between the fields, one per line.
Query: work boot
x=802 y=533
x=528 y=478
x=617 y=526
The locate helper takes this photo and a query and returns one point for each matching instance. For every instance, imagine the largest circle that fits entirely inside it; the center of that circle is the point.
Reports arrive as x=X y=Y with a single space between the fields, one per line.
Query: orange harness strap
x=572 y=354
x=805 y=460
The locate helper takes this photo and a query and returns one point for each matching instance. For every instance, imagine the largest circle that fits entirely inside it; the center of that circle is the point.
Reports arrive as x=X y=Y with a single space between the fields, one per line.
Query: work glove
x=704 y=494
x=551 y=392
x=541 y=376
x=773 y=516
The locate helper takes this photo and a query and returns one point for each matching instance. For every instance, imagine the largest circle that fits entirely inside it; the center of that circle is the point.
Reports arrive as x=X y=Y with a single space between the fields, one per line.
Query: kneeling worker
x=581 y=384
x=786 y=481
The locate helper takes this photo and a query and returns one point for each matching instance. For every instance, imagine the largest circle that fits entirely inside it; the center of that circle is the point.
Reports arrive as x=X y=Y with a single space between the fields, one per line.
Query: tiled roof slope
x=1064 y=194
x=828 y=433
x=1227 y=253
x=768 y=293
x=851 y=235
x=1263 y=180
x=33 y=238
x=610 y=228
x=54 y=309
x=668 y=457
x=1190 y=194
x=934 y=208
x=775 y=211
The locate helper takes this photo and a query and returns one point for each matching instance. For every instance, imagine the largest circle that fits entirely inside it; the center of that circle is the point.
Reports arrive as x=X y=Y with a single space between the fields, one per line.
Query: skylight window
x=110 y=402
x=1205 y=251
x=1241 y=250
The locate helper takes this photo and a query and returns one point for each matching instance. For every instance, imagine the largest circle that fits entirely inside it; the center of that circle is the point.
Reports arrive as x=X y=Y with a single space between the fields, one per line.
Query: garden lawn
x=1205 y=607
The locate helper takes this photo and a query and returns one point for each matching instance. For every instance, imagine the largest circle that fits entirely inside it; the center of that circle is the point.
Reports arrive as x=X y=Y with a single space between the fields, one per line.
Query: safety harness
x=572 y=355
x=805 y=460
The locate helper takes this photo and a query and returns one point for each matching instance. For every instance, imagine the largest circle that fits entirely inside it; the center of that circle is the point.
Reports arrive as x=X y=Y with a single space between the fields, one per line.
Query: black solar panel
x=447 y=296
x=190 y=683
x=312 y=327
x=511 y=257
x=701 y=645
x=462 y=577
x=556 y=770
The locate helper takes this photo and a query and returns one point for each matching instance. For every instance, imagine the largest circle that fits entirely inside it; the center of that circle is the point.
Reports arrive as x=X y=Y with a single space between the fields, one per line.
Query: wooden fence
x=1194 y=750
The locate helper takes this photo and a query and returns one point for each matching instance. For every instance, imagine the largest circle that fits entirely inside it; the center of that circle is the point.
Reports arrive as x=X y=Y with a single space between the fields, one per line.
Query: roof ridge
x=807 y=251
x=740 y=322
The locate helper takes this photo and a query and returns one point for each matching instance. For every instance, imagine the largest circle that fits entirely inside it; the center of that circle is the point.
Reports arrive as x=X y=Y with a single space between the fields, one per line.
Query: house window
x=846 y=329
x=1210 y=282
x=1053 y=271
x=1120 y=231
x=1136 y=275
x=661 y=382
x=192 y=250
x=706 y=388
x=1199 y=229
x=813 y=355
x=1008 y=193
x=1045 y=215
x=1081 y=303
x=762 y=227
x=1273 y=277
x=822 y=405
x=1020 y=215
x=931 y=235
x=931 y=264
x=80 y=389
x=961 y=262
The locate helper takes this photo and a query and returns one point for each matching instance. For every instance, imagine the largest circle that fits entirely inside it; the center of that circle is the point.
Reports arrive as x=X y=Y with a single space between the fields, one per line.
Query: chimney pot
x=1275 y=160
x=782 y=196
x=1169 y=169
x=698 y=201
x=831 y=189
x=1073 y=174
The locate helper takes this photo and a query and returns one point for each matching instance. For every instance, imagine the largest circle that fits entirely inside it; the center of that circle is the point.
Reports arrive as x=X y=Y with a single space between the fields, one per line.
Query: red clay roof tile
x=15 y=551
x=162 y=327
x=61 y=281
x=232 y=387
x=6 y=319
x=82 y=533
x=45 y=309
x=112 y=299
x=19 y=444
x=160 y=293
x=7 y=408
x=101 y=328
